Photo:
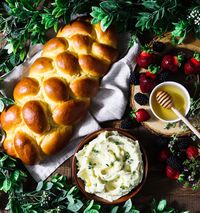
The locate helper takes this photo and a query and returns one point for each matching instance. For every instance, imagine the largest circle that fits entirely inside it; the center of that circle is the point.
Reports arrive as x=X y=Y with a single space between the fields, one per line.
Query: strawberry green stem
x=153 y=69
x=180 y=59
x=197 y=56
x=146 y=48
x=132 y=114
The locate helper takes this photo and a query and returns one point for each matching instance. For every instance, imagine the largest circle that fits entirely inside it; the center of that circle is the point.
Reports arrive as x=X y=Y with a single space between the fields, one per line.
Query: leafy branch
x=156 y=15
x=117 y=12
x=194 y=108
x=54 y=195
x=25 y=23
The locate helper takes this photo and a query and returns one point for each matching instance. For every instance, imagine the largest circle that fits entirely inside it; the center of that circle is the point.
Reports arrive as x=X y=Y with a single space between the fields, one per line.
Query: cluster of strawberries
x=171 y=63
x=174 y=161
x=155 y=73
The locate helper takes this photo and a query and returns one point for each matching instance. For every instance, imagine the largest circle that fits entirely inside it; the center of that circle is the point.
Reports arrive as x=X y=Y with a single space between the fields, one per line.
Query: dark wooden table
x=157 y=185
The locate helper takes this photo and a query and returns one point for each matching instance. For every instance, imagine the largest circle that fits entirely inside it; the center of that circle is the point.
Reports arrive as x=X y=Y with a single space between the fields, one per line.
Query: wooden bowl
x=79 y=182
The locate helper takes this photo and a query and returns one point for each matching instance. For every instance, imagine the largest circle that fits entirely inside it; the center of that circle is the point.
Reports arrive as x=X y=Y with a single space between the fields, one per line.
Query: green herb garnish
x=169 y=125
x=91 y=165
x=95 y=150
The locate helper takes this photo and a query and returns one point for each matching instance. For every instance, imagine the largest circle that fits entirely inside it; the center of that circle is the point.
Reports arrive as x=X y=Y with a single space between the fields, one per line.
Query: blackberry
x=182 y=145
x=159 y=46
x=141 y=99
x=174 y=162
x=163 y=76
x=162 y=142
x=126 y=123
x=134 y=78
x=181 y=156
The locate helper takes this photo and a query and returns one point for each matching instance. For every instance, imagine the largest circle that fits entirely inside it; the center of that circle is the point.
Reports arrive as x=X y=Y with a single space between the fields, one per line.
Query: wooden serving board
x=153 y=124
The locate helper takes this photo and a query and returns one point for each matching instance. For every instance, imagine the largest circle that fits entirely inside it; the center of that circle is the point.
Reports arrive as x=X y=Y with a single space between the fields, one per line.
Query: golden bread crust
x=57 y=91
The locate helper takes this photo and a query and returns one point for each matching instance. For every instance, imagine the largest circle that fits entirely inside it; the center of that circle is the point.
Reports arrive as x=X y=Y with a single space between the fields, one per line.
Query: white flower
x=194 y=16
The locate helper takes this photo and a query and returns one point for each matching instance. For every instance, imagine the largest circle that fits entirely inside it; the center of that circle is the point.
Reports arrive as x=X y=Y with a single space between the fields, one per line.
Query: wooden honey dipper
x=166 y=101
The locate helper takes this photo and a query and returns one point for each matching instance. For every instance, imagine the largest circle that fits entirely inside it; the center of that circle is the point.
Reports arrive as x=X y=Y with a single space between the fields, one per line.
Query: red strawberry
x=193 y=64
x=150 y=75
x=163 y=155
x=141 y=115
x=172 y=173
x=171 y=63
x=152 y=70
x=146 y=83
x=192 y=152
x=145 y=58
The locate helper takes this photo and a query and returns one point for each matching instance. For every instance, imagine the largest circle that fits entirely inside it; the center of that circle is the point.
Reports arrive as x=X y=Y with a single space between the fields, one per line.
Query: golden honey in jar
x=179 y=99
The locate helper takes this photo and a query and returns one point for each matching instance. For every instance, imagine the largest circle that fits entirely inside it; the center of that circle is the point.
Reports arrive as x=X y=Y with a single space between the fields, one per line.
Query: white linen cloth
x=109 y=104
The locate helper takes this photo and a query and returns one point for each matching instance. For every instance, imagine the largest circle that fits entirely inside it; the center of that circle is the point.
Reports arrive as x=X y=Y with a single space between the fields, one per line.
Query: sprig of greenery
x=181 y=29
x=172 y=143
x=51 y=196
x=191 y=173
x=194 y=107
x=56 y=195
x=25 y=23
x=161 y=206
x=156 y=15
x=117 y=12
x=169 y=125
x=11 y=178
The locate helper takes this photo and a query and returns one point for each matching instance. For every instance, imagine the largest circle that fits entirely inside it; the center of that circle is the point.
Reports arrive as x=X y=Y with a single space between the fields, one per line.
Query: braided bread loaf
x=57 y=92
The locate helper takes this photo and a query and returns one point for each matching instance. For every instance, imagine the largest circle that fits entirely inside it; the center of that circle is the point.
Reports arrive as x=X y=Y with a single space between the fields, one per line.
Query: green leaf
x=2 y=106
x=152 y=5
x=162 y=205
x=32 y=211
x=39 y=186
x=47 y=185
x=22 y=174
x=95 y=21
x=22 y=55
x=59 y=14
x=95 y=14
x=96 y=206
x=55 y=11
x=92 y=211
x=76 y=206
x=181 y=178
x=97 y=10
x=89 y=206
x=9 y=48
x=72 y=190
x=127 y=206
x=16 y=175
x=109 y=6
x=115 y=209
x=106 y=22
x=59 y=3
x=7 y=185
x=71 y=199
x=5 y=157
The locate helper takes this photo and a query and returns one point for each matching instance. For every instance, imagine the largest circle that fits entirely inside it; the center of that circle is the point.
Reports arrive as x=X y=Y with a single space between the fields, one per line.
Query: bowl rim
x=80 y=184
x=174 y=84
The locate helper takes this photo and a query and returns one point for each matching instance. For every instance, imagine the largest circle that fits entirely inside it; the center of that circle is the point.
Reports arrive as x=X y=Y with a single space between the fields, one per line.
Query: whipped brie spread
x=111 y=165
